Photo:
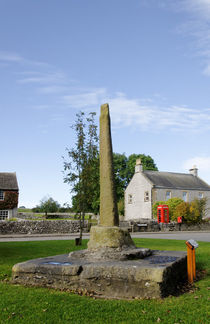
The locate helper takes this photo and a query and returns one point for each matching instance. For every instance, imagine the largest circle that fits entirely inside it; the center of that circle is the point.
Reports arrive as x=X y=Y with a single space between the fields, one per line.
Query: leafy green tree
x=172 y=204
x=182 y=210
x=82 y=168
x=49 y=205
x=197 y=211
x=120 y=170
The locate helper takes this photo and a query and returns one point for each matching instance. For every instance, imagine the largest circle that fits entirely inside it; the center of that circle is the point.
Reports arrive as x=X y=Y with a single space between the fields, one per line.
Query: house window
x=1 y=195
x=184 y=196
x=168 y=195
x=200 y=195
x=146 y=196
x=154 y=198
x=130 y=199
x=4 y=214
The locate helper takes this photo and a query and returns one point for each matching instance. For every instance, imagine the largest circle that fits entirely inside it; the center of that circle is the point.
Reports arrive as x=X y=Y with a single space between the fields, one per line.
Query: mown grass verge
x=39 y=305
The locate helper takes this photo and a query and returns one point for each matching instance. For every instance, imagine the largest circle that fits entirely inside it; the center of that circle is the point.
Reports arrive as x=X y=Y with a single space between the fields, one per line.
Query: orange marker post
x=191 y=265
x=194 y=264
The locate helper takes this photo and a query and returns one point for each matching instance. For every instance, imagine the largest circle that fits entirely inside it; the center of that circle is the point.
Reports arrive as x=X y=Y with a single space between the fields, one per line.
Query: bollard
x=191 y=265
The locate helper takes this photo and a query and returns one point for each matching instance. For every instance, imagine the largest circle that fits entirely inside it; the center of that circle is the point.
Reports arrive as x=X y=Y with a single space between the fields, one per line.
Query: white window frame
x=168 y=191
x=4 y=214
x=200 y=195
x=1 y=195
x=185 y=198
x=146 y=196
x=130 y=199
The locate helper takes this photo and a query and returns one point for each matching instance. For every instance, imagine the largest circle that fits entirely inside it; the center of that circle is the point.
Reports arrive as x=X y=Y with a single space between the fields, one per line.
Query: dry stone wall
x=40 y=227
x=153 y=226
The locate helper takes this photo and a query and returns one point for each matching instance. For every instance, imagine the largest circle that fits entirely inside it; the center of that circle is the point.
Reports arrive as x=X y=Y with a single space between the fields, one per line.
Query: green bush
x=172 y=204
x=182 y=210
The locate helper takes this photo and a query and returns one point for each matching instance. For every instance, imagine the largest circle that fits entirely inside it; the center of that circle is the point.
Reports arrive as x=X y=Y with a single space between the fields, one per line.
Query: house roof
x=8 y=181
x=172 y=180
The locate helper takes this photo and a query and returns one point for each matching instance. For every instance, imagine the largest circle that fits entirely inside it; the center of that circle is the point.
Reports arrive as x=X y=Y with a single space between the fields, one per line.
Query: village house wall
x=147 y=187
x=136 y=198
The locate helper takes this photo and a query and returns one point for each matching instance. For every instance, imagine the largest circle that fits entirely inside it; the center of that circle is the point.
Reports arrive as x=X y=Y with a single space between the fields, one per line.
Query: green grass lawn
x=40 y=305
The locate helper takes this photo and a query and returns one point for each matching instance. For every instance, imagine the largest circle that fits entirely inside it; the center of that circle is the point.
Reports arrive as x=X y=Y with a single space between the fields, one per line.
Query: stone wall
x=41 y=227
x=146 y=225
x=68 y=226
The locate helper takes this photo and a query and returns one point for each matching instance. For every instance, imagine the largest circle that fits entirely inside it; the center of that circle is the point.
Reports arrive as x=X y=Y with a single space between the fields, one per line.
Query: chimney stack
x=138 y=166
x=194 y=171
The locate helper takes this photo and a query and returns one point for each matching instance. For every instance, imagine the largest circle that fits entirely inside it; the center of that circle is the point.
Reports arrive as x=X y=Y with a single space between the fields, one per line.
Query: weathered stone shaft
x=108 y=203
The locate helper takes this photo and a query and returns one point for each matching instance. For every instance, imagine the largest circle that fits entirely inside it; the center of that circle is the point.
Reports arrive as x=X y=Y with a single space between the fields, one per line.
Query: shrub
x=182 y=210
x=172 y=204
x=193 y=212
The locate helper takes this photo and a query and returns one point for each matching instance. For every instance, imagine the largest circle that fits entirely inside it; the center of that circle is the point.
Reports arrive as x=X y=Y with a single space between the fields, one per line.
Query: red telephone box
x=163 y=214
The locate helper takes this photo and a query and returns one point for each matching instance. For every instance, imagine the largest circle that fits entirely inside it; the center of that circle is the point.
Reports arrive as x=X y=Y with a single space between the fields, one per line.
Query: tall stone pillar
x=108 y=203
x=108 y=234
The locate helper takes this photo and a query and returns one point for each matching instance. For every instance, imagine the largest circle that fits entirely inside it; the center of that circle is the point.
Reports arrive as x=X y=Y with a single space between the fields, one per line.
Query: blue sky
x=149 y=59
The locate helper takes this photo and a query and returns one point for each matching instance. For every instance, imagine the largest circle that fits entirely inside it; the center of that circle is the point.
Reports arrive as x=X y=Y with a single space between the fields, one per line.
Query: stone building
x=147 y=187
x=8 y=195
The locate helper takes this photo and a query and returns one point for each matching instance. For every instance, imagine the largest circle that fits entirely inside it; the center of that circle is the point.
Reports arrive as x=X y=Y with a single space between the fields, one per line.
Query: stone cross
x=108 y=202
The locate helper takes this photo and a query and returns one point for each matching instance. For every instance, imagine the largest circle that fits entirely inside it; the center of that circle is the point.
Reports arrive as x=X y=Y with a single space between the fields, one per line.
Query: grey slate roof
x=170 y=180
x=8 y=181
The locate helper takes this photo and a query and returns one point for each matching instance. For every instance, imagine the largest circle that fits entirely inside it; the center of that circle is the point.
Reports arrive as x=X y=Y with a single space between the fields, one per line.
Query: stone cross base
x=155 y=276
x=109 y=237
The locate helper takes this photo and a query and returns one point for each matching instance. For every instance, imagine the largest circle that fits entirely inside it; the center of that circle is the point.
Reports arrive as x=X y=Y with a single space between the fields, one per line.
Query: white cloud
x=207 y=69
x=53 y=89
x=43 y=77
x=198 y=7
x=195 y=23
x=144 y=114
x=10 y=57
x=86 y=99
x=202 y=163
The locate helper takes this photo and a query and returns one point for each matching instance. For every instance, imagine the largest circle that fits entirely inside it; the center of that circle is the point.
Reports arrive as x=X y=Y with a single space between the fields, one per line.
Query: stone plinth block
x=111 y=237
x=154 y=276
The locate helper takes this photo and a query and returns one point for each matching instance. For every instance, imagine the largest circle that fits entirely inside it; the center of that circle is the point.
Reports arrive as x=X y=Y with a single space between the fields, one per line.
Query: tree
x=182 y=210
x=48 y=205
x=120 y=170
x=82 y=168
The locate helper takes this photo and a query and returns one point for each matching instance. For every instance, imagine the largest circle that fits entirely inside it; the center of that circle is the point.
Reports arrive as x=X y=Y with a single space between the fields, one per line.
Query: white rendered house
x=147 y=187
